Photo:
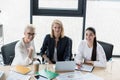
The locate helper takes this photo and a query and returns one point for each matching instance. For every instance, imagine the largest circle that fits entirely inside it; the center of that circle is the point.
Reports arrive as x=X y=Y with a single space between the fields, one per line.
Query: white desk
x=110 y=73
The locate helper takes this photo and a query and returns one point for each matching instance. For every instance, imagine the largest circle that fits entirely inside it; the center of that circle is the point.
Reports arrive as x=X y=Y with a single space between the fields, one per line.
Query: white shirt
x=84 y=52
x=21 y=53
x=55 y=54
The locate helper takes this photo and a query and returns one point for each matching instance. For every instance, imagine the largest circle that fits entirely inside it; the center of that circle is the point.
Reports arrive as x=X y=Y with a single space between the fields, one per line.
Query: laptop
x=65 y=66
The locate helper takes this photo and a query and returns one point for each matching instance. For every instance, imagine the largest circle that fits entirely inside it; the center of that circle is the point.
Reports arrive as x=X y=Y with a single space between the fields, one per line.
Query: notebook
x=21 y=69
x=48 y=74
x=86 y=67
x=65 y=66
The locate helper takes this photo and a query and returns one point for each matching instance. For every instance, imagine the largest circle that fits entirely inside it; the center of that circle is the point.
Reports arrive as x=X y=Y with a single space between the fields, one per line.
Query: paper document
x=70 y=76
x=78 y=76
x=90 y=76
x=16 y=76
x=1 y=75
x=86 y=67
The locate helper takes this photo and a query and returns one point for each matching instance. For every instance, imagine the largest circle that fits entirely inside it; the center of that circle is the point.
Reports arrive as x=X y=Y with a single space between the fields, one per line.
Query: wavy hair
x=60 y=24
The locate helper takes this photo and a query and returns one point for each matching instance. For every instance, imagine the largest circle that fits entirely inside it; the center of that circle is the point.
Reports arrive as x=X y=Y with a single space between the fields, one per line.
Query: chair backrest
x=8 y=52
x=70 y=43
x=108 y=48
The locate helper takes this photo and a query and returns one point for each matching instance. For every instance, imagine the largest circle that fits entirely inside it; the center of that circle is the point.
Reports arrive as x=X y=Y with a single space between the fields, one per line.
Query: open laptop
x=65 y=66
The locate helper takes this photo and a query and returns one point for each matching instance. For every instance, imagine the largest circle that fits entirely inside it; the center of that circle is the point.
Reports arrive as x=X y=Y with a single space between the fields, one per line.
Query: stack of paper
x=70 y=76
x=16 y=76
x=90 y=76
x=78 y=76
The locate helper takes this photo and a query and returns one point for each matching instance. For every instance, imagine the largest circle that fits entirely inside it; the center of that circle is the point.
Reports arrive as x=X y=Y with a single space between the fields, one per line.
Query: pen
x=43 y=76
x=38 y=76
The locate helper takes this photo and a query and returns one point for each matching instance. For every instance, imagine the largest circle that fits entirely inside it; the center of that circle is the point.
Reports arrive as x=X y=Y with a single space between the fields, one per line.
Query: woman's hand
x=30 y=51
x=79 y=66
x=89 y=62
x=46 y=59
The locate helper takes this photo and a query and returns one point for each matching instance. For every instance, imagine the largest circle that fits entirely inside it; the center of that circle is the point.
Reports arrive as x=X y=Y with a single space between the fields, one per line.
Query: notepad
x=21 y=69
x=48 y=74
x=85 y=67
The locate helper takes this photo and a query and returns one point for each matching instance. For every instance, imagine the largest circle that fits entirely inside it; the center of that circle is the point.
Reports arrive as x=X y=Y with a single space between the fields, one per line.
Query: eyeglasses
x=31 y=34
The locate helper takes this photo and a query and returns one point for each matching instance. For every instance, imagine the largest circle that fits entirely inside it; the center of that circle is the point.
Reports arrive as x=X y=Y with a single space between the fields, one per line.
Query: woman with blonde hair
x=24 y=49
x=56 y=46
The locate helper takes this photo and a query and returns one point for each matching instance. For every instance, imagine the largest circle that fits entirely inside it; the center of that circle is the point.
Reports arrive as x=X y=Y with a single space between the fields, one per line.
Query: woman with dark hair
x=90 y=51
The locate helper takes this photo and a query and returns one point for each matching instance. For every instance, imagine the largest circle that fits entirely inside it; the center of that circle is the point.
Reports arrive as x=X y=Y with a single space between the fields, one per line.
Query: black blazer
x=64 y=48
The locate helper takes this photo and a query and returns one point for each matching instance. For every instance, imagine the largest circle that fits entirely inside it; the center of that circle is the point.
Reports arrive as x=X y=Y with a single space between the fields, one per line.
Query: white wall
x=105 y=17
x=14 y=17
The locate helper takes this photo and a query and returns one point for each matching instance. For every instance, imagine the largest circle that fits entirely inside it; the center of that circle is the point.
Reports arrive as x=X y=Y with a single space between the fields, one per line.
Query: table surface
x=111 y=72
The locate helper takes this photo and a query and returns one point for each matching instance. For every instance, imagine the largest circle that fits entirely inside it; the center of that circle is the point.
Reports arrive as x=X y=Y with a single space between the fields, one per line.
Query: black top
x=64 y=47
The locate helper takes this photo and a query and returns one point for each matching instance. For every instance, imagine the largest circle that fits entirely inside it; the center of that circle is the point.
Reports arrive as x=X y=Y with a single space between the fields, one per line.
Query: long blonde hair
x=60 y=24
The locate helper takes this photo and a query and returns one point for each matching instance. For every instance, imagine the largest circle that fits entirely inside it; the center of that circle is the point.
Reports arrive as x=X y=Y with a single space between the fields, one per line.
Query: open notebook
x=86 y=67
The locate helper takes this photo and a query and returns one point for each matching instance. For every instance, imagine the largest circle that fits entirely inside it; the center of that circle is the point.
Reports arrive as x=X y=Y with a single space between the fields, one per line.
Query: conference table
x=111 y=72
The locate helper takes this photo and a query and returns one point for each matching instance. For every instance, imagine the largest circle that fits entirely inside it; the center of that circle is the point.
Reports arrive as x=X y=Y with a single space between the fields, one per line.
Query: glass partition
x=58 y=4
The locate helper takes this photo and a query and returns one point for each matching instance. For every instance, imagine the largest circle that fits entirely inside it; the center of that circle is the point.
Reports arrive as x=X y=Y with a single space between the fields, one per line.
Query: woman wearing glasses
x=56 y=46
x=24 y=49
x=90 y=51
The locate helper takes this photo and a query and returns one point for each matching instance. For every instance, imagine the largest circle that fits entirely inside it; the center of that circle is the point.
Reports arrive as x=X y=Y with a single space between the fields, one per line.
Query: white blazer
x=21 y=53
x=84 y=52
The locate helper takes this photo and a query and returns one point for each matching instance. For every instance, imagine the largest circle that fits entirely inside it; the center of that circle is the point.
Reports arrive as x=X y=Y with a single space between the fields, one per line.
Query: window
x=58 y=4
x=57 y=7
x=104 y=16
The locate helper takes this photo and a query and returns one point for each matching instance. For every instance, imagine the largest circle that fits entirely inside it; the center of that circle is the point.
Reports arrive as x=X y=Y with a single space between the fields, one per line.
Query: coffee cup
x=36 y=67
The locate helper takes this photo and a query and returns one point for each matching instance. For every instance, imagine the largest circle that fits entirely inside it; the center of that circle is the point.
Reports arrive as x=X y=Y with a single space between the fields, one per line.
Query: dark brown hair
x=94 y=51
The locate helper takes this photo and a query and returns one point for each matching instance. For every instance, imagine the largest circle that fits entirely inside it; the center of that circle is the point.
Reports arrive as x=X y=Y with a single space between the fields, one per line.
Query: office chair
x=108 y=48
x=70 y=43
x=8 y=52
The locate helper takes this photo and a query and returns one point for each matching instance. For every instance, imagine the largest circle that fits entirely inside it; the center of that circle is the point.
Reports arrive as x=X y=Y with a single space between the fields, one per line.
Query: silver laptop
x=65 y=66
